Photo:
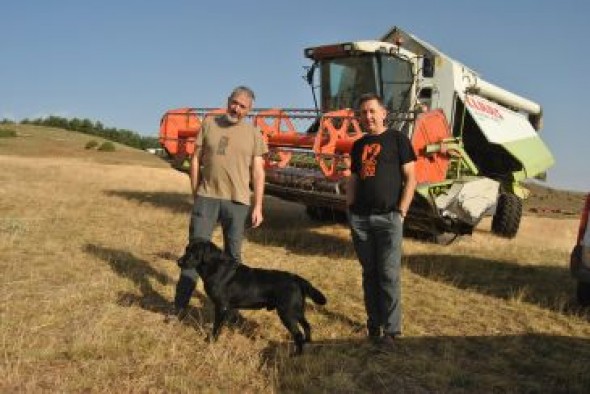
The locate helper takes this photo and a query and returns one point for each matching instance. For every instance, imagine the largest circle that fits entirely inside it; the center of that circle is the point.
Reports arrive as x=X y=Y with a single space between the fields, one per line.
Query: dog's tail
x=317 y=296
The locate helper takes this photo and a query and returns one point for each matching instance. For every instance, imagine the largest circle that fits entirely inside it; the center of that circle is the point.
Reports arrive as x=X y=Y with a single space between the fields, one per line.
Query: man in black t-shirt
x=379 y=192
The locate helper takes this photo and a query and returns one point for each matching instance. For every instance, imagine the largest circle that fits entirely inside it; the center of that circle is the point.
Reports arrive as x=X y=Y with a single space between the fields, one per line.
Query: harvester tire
x=507 y=217
x=583 y=293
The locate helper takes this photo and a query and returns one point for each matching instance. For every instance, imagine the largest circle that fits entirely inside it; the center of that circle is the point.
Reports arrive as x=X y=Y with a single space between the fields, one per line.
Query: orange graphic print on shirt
x=369 y=160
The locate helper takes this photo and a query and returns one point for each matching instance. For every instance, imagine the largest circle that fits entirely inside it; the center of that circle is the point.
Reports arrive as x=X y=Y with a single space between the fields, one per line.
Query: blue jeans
x=206 y=213
x=377 y=242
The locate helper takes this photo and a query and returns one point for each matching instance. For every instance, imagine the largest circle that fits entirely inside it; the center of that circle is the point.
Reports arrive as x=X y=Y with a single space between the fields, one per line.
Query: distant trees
x=86 y=126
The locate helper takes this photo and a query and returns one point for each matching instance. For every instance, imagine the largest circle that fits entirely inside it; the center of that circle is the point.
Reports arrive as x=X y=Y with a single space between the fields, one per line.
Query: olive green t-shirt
x=226 y=160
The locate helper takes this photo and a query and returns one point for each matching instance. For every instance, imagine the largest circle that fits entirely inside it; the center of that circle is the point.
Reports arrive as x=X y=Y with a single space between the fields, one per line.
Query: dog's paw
x=210 y=338
x=175 y=314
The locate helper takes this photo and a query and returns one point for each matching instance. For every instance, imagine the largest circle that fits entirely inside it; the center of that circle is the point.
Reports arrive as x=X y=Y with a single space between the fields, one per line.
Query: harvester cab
x=475 y=141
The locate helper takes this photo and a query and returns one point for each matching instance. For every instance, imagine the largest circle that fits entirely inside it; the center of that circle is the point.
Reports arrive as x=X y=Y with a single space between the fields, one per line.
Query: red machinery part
x=431 y=128
x=178 y=129
x=584 y=219
x=333 y=142
x=331 y=145
x=275 y=131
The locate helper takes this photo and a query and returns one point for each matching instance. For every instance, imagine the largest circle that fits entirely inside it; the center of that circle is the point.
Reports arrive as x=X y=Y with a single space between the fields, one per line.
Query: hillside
x=88 y=246
x=549 y=202
x=39 y=141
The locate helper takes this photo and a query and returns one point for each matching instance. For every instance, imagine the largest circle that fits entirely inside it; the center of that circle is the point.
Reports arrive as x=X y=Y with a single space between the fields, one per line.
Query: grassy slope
x=87 y=270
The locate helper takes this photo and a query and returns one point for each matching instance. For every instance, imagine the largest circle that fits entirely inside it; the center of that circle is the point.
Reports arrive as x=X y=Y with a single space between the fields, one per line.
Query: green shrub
x=107 y=146
x=7 y=133
x=91 y=144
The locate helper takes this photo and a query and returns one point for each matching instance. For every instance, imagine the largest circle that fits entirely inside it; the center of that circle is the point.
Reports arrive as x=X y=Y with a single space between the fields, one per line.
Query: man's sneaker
x=374 y=335
x=387 y=341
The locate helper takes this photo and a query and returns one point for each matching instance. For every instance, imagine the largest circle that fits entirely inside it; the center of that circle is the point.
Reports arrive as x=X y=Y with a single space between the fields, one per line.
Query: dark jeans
x=206 y=213
x=377 y=242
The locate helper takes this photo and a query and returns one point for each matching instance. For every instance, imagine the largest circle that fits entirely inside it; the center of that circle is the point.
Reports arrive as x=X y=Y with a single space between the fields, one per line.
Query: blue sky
x=125 y=62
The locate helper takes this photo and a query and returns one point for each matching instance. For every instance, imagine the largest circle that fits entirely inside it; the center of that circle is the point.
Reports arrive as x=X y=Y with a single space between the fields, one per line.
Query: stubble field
x=88 y=249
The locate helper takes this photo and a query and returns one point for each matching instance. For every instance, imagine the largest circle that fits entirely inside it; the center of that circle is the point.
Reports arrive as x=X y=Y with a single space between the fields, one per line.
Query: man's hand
x=257 y=217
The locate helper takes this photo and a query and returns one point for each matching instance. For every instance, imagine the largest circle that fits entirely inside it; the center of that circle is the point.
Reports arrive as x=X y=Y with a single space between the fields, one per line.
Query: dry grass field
x=88 y=249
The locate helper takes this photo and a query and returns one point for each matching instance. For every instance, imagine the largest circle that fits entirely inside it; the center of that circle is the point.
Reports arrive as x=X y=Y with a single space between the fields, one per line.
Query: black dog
x=231 y=285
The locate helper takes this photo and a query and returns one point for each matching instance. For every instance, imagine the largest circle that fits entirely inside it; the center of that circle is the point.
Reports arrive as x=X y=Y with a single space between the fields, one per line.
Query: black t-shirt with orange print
x=377 y=161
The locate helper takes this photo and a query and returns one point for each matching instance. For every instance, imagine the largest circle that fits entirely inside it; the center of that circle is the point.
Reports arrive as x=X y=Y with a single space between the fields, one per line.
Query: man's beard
x=232 y=119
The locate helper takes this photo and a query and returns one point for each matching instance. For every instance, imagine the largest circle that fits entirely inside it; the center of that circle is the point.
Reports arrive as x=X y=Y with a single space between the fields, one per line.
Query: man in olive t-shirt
x=227 y=159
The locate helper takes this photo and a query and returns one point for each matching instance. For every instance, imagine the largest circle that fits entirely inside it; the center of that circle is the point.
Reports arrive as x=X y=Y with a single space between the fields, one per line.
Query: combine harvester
x=475 y=141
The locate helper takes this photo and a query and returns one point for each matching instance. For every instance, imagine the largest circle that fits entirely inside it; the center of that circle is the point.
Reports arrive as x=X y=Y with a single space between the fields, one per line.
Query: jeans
x=206 y=213
x=377 y=242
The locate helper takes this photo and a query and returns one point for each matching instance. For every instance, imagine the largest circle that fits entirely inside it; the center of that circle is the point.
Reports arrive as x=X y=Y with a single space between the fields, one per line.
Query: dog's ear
x=199 y=250
x=193 y=255
x=208 y=252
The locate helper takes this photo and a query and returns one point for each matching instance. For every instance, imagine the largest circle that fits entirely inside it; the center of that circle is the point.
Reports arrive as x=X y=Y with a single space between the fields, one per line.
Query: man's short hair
x=243 y=89
x=368 y=97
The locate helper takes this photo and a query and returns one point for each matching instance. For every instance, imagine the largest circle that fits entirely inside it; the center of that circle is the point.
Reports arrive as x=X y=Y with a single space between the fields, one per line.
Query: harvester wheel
x=507 y=217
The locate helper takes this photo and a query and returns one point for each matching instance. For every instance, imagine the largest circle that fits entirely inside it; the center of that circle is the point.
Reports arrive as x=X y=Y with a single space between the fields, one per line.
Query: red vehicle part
x=330 y=145
x=338 y=131
x=584 y=220
x=178 y=129
x=580 y=258
x=431 y=128
x=275 y=123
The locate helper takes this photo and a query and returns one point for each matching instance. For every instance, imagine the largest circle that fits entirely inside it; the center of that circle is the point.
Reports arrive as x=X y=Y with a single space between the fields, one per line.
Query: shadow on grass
x=174 y=202
x=519 y=363
x=139 y=271
x=287 y=225
x=550 y=287
x=302 y=241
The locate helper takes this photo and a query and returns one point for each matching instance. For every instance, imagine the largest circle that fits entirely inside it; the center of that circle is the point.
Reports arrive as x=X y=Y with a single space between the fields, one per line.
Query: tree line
x=86 y=126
